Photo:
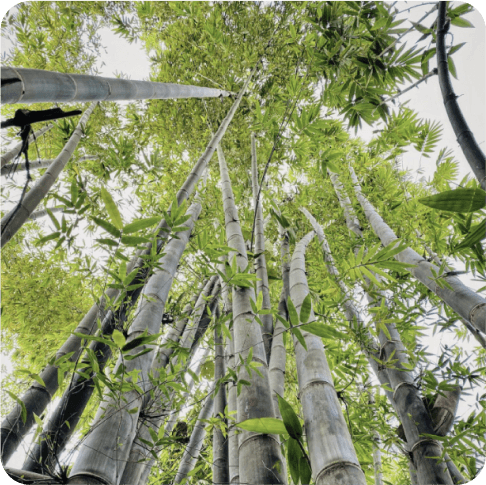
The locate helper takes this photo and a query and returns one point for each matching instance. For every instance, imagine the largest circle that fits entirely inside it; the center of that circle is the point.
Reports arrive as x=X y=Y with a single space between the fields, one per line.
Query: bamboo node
x=424 y=441
x=474 y=310
x=405 y=383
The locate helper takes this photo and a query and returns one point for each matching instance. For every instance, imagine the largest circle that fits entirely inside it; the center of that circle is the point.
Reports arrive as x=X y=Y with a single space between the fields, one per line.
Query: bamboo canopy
x=38 y=86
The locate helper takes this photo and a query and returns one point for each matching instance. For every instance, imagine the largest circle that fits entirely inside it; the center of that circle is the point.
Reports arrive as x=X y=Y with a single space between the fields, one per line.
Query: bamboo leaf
x=294 y=454
x=134 y=240
x=305 y=471
x=324 y=331
x=263 y=425
x=140 y=224
x=475 y=235
x=136 y=342
x=290 y=419
x=305 y=309
x=293 y=317
x=458 y=200
x=110 y=228
x=460 y=22
x=112 y=209
x=50 y=237
x=299 y=336
x=118 y=338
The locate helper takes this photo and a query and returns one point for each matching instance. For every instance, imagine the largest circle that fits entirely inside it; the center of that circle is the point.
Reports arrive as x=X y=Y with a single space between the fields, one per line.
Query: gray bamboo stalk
x=104 y=453
x=11 y=154
x=332 y=455
x=191 y=453
x=233 y=445
x=37 y=397
x=376 y=444
x=38 y=86
x=220 y=443
x=260 y=261
x=154 y=407
x=472 y=151
x=42 y=213
x=259 y=455
x=14 y=220
x=22 y=476
x=35 y=165
x=467 y=303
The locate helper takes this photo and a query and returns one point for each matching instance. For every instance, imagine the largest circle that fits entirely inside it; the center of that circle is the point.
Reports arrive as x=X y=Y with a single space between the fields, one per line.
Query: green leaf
x=294 y=454
x=136 y=342
x=299 y=336
x=140 y=224
x=134 y=240
x=108 y=242
x=475 y=235
x=458 y=200
x=23 y=409
x=112 y=209
x=293 y=316
x=460 y=22
x=50 y=237
x=263 y=425
x=324 y=331
x=305 y=309
x=452 y=67
x=118 y=338
x=290 y=419
x=110 y=228
x=304 y=470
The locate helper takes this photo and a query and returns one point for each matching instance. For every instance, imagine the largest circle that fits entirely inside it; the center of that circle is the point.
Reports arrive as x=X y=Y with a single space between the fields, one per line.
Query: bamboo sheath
x=35 y=165
x=467 y=303
x=260 y=260
x=38 y=86
x=471 y=149
x=259 y=455
x=14 y=220
x=191 y=453
x=105 y=451
x=220 y=442
x=332 y=455
x=12 y=428
x=155 y=404
x=11 y=154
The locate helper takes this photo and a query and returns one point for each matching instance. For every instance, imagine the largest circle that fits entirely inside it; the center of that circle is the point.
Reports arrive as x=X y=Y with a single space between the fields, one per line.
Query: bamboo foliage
x=467 y=303
x=35 y=165
x=104 y=453
x=332 y=455
x=260 y=259
x=259 y=455
x=14 y=220
x=39 y=86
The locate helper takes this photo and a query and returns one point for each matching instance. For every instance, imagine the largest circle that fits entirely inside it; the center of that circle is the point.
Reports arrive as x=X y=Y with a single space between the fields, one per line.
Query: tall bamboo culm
x=260 y=461
x=332 y=455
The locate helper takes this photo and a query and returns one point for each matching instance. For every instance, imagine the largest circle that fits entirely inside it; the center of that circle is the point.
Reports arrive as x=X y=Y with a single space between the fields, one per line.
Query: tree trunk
x=260 y=261
x=259 y=455
x=105 y=451
x=40 y=86
x=14 y=220
x=467 y=303
x=472 y=151
x=220 y=443
x=11 y=154
x=332 y=455
x=35 y=165
x=191 y=453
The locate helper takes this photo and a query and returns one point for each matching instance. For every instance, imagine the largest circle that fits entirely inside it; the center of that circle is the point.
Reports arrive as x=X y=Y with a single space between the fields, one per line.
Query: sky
x=470 y=61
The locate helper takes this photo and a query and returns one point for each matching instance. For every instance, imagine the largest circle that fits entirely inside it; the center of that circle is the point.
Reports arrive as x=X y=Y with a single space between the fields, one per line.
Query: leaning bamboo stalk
x=220 y=443
x=332 y=455
x=154 y=406
x=14 y=220
x=38 y=86
x=260 y=261
x=467 y=303
x=191 y=453
x=259 y=455
x=471 y=149
x=11 y=154
x=35 y=165
x=104 y=453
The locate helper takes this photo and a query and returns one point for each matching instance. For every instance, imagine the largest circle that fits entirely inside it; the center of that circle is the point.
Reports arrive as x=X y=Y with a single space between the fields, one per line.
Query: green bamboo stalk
x=105 y=451
x=260 y=261
x=14 y=220
x=472 y=151
x=11 y=154
x=332 y=455
x=38 y=86
x=259 y=455
x=467 y=303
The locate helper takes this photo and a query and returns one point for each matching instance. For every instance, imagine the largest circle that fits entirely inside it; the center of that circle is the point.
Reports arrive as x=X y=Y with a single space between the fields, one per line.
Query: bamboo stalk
x=42 y=213
x=260 y=261
x=259 y=455
x=38 y=86
x=14 y=220
x=105 y=451
x=11 y=154
x=472 y=151
x=467 y=303
x=332 y=455
x=35 y=165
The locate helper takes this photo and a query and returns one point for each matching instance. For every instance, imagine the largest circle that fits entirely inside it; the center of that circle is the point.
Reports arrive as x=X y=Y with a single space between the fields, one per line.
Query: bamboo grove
x=210 y=277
